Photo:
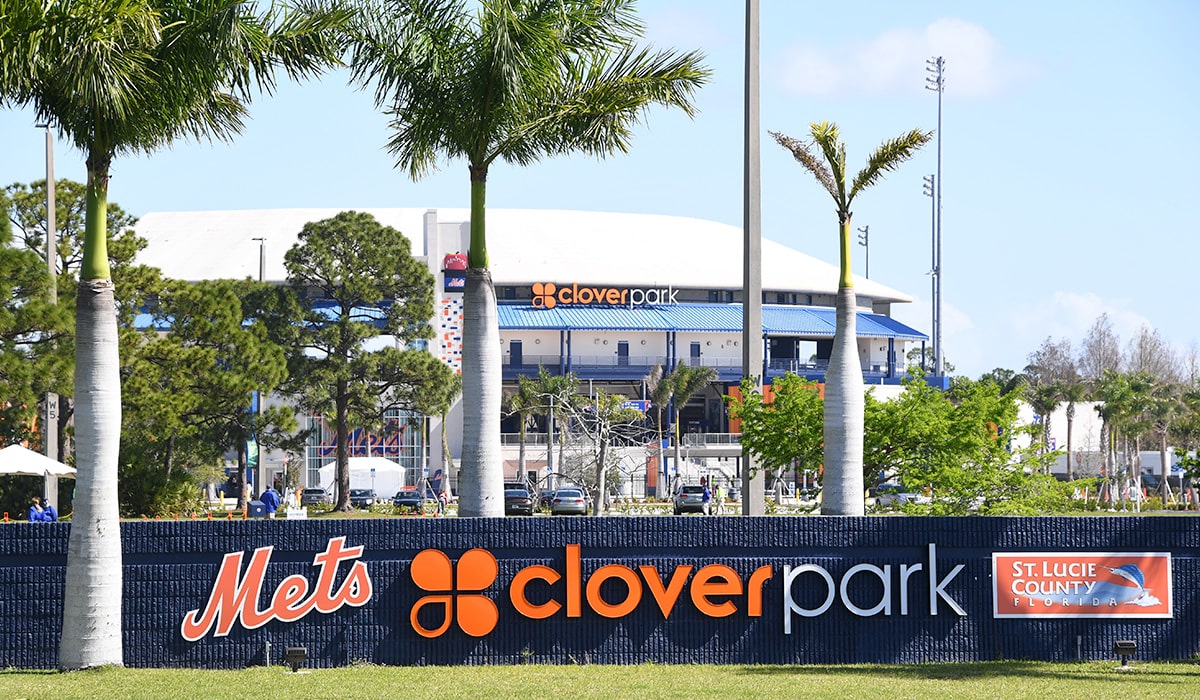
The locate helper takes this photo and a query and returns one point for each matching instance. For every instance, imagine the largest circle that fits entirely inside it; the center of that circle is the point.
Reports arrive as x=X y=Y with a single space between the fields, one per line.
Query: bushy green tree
x=188 y=385
x=357 y=280
x=133 y=283
x=785 y=429
x=956 y=446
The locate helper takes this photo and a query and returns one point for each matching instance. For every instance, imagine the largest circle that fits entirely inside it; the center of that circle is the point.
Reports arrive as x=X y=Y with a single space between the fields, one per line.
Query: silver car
x=568 y=502
x=690 y=499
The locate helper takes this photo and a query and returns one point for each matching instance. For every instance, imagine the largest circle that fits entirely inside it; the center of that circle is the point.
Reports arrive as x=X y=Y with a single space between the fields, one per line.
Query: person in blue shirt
x=707 y=497
x=270 y=500
x=49 y=515
x=37 y=514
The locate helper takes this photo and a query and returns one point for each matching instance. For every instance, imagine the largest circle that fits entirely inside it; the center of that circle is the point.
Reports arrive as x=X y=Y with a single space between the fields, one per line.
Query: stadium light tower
x=864 y=240
x=936 y=81
x=929 y=189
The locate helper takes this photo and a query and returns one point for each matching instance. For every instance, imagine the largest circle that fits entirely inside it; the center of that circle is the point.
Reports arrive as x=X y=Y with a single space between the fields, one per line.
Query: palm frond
x=802 y=152
x=887 y=157
x=596 y=104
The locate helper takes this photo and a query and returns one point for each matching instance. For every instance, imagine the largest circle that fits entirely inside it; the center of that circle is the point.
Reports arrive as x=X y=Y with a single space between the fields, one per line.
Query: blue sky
x=1068 y=152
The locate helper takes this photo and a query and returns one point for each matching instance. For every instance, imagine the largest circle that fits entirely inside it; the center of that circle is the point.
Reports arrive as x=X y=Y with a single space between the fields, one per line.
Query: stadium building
x=606 y=296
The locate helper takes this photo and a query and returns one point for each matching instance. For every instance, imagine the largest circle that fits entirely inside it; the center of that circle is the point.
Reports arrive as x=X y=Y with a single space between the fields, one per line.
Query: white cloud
x=894 y=62
x=1005 y=335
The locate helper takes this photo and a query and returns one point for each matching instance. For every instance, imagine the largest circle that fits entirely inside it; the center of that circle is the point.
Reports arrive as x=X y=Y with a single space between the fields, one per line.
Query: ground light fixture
x=1125 y=648
x=295 y=657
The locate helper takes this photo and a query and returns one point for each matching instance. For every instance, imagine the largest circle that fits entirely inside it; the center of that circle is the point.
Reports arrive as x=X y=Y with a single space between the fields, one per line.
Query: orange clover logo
x=543 y=295
x=475 y=613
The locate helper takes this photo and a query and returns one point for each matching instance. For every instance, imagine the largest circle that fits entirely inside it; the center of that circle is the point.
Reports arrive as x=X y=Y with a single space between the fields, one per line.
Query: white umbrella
x=18 y=461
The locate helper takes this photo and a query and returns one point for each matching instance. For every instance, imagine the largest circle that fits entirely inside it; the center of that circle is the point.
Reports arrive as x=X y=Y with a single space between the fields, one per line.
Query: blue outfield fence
x=723 y=590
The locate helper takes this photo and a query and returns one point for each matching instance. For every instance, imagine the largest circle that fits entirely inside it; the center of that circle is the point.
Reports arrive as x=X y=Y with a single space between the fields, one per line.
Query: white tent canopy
x=18 y=461
x=379 y=473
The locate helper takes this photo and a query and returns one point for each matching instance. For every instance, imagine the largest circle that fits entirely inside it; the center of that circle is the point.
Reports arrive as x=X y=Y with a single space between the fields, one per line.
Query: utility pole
x=936 y=81
x=50 y=426
x=752 y=327
x=864 y=240
x=261 y=396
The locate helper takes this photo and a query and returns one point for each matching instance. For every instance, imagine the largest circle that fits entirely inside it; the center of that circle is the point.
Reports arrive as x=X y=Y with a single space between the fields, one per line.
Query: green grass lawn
x=1008 y=679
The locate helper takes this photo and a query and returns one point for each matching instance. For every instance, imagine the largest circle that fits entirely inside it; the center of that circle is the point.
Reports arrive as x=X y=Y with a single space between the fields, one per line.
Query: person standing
x=37 y=514
x=720 y=498
x=270 y=501
x=707 y=498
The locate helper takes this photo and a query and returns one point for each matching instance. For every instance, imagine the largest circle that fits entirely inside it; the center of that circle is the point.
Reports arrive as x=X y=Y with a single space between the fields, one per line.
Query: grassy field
x=1009 y=679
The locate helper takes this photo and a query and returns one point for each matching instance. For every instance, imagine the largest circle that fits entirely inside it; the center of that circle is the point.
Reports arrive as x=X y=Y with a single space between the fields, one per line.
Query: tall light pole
x=50 y=427
x=752 y=327
x=936 y=81
x=262 y=461
x=864 y=240
x=929 y=189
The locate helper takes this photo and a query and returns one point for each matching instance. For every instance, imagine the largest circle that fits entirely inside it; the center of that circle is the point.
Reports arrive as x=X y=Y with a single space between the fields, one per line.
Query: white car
x=894 y=494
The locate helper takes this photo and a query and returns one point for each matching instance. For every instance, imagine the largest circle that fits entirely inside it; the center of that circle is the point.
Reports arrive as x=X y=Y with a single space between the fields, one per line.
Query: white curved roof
x=524 y=246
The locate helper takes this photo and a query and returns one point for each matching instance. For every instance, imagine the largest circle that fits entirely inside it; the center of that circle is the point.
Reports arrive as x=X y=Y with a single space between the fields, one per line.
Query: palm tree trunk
x=1070 y=428
x=1165 y=468
x=678 y=436
x=91 y=624
x=481 y=475
x=91 y=627
x=842 y=488
x=341 y=406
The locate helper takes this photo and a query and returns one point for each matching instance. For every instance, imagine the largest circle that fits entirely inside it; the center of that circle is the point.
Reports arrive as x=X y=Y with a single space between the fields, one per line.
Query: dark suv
x=315 y=497
x=363 y=498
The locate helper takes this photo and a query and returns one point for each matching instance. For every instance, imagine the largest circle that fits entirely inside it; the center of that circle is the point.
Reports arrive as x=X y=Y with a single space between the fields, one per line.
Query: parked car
x=314 y=497
x=689 y=499
x=894 y=493
x=568 y=502
x=408 y=499
x=517 y=502
x=363 y=498
x=1151 y=482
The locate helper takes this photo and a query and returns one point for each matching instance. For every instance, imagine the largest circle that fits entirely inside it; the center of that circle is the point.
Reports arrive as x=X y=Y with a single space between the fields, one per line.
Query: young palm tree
x=117 y=77
x=523 y=403
x=660 y=396
x=555 y=393
x=1072 y=392
x=842 y=486
x=512 y=80
x=685 y=380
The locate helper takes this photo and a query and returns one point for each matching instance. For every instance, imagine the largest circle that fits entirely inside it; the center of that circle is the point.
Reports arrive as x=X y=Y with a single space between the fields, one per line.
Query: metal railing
x=793 y=365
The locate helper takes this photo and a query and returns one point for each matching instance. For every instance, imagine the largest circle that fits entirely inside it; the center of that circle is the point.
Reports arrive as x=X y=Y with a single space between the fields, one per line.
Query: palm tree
x=515 y=81
x=842 y=485
x=684 y=381
x=117 y=77
x=438 y=403
x=660 y=397
x=1072 y=392
x=1166 y=407
x=522 y=403
x=554 y=394
x=1043 y=398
